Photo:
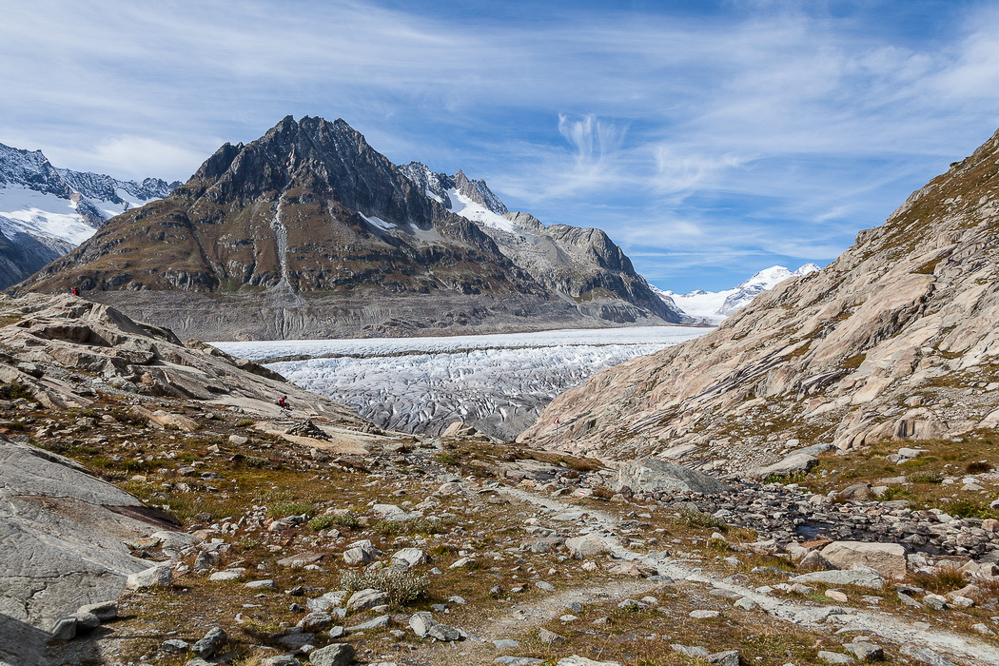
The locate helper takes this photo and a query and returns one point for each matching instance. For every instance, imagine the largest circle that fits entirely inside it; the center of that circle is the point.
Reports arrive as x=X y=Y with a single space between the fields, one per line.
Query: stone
x=228 y=574
x=152 y=577
x=377 y=623
x=704 y=614
x=865 y=651
x=411 y=557
x=280 y=660
x=328 y=600
x=64 y=629
x=300 y=560
x=87 y=621
x=104 y=610
x=888 y=559
x=542 y=585
x=550 y=637
x=444 y=633
x=587 y=545
x=835 y=657
x=518 y=661
x=576 y=660
x=796 y=463
x=837 y=595
x=726 y=658
x=337 y=654
x=868 y=578
x=983 y=629
x=925 y=655
x=506 y=644
x=260 y=584
x=695 y=651
x=175 y=646
x=365 y=599
x=651 y=475
x=315 y=621
x=745 y=603
x=814 y=561
x=210 y=645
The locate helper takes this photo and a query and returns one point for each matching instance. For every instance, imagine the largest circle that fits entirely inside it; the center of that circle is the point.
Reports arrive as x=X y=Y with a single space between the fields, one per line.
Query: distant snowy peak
x=715 y=306
x=472 y=199
x=46 y=211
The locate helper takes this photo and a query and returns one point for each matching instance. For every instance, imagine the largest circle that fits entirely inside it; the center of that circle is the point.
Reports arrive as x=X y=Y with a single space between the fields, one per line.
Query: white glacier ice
x=498 y=383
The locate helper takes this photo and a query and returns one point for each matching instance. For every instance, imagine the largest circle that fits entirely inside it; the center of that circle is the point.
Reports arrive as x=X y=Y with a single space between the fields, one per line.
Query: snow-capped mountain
x=45 y=212
x=714 y=306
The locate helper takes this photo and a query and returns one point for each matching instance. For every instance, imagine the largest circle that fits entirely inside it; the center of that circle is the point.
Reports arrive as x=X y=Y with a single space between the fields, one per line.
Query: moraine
x=498 y=383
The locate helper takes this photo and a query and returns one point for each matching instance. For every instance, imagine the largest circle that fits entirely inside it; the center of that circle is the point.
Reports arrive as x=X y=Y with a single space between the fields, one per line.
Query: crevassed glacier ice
x=498 y=383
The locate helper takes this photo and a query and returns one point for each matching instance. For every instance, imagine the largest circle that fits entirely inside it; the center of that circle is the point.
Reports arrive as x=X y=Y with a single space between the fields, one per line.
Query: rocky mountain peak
x=310 y=213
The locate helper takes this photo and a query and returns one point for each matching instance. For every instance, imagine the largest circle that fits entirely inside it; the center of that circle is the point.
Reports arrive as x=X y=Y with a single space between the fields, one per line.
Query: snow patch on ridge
x=468 y=209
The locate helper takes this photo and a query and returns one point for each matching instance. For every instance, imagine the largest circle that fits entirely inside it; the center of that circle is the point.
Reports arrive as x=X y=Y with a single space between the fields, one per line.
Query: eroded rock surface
x=893 y=340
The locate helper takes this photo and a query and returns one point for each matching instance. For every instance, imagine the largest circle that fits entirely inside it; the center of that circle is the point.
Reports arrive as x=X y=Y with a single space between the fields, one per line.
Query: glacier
x=497 y=383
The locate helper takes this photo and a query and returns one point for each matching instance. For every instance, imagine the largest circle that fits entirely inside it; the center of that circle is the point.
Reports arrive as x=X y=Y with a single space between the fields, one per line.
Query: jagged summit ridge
x=315 y=232
x=896 y=339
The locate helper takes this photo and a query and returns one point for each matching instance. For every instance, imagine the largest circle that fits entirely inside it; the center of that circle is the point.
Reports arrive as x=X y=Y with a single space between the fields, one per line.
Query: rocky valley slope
x=225 y=529
x=895 y=339
x=309 y=232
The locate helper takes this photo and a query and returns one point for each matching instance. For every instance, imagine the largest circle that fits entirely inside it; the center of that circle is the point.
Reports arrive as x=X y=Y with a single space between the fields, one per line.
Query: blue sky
x=709 y=139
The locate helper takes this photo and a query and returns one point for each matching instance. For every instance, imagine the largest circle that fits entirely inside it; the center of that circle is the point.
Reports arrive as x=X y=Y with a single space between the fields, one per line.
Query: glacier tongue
x=498 y=383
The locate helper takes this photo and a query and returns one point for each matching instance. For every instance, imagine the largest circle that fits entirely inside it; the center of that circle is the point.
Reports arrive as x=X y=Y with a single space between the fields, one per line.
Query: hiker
x=76 y=292
x=283 y=402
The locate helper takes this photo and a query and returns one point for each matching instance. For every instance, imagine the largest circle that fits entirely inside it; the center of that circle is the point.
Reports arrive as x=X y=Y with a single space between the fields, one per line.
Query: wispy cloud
x=778 y=126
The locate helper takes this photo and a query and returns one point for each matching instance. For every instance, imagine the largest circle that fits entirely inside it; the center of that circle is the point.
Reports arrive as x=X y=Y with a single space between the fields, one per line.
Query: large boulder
x=796 y=463
x=888 y=559
x=653 y=475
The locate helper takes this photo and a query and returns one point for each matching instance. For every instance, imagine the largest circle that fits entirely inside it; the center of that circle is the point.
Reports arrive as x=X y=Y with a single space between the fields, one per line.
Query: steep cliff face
x=309 y=232
x=895 y=339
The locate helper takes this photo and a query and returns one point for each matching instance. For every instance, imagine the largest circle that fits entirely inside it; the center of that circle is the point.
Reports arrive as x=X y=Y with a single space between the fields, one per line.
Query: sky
x=708 y=139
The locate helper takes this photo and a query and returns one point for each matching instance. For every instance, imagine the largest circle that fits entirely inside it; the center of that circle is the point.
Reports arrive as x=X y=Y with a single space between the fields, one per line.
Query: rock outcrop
x=63 y=533
x=52 y=337
x=308 y=232
x=893 y=340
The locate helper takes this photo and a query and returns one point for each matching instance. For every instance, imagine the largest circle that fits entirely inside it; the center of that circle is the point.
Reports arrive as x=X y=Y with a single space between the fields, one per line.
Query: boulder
x=365 y=599
x=211 y=644
x=587 y=545
x=411 y=557
x=868 y=578
x=654 y=475
x=888 y=559
x=337 y=654
x=796 y=463
x=151 y=577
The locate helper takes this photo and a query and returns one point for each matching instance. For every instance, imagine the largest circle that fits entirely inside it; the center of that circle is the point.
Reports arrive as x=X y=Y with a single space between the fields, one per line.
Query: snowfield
x=498 y=383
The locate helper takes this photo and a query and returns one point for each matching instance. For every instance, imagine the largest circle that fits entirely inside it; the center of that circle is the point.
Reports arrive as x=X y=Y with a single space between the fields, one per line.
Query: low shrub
x=402 y=587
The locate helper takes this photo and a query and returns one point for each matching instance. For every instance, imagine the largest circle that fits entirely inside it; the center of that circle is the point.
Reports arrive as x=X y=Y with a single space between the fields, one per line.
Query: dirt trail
x=881 y=624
